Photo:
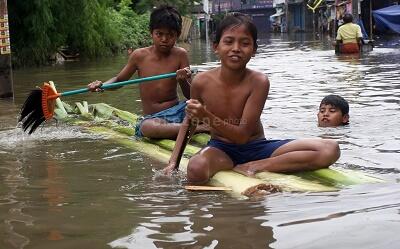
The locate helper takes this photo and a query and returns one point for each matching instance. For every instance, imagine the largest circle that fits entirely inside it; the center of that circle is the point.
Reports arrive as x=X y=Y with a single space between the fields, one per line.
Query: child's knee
x=149 y=128
x=331 y=151
x=197 y=170
x=146 y=128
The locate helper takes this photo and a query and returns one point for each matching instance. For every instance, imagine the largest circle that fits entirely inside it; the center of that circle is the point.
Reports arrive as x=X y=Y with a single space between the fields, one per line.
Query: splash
x=13 y=138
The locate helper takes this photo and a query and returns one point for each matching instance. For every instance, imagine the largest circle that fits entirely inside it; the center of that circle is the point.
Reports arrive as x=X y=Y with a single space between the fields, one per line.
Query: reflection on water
x=198 y=220
x=63 y=188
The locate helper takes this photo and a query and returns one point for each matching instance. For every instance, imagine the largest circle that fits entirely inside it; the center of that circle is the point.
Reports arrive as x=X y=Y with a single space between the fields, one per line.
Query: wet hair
x=336 y=101
x=233 y=20
x=166 y=16
x=347 y=18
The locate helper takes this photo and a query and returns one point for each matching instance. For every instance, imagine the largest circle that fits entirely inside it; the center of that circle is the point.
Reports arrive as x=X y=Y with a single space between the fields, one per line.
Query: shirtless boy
x=160 y=104
x=230 y=99
x=333 y=111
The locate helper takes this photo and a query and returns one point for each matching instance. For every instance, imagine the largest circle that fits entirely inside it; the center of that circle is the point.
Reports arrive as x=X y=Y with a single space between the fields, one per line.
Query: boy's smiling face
x=164 y=39
x=236 y=47
x=330 y=116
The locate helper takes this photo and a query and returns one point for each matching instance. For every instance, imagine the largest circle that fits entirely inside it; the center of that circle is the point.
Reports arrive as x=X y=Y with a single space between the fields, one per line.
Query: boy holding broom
x=163 y=112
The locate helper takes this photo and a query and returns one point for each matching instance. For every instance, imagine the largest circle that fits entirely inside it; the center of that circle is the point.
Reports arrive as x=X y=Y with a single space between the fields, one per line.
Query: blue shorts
x=252 y=151
x=174 y=114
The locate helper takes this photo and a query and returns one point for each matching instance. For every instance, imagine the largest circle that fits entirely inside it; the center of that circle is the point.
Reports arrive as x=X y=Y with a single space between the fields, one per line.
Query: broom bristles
x=31 y=112
x=33 y=97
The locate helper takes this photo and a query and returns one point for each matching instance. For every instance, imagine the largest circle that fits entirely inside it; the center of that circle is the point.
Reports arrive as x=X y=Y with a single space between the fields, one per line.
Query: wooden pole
x=354 y=10
x=6 y=86
x=313 y=23
x=184 y=135
x=286 y=16
x=335 y=22
x=370 y=21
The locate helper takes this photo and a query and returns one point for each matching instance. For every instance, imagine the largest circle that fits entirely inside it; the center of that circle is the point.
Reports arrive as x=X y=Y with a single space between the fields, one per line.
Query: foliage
x=30 y=25
x=132 y=27
x=38 y=28
x=183 y=6
x=92 y=28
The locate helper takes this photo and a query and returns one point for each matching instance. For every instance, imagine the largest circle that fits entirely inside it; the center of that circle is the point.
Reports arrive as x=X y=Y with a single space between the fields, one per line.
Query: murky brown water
x=62 y=188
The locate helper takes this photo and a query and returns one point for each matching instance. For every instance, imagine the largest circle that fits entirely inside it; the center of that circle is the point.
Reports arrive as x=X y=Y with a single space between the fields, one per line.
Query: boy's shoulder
x=141 y=52
x=254 y=77
x=257 y=75
x=175 y=51
x=202 y=79
x=207 y=75
x=178 y=51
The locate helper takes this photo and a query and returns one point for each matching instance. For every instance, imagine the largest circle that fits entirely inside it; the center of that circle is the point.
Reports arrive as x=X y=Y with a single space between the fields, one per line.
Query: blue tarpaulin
x=388 y=18
x=363 y=31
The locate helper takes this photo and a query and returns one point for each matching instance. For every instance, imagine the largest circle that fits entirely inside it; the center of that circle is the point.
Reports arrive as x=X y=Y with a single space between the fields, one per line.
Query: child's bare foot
x=245 y=169
x=262 y=190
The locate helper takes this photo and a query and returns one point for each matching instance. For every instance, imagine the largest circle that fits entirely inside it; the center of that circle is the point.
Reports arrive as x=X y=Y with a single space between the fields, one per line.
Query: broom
x=40 y=104
x=186 y=132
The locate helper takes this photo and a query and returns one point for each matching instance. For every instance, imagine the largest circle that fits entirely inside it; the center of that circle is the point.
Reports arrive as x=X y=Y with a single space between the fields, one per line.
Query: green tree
x=91 y=30
x=38 y=28
x=132 y=27
x=183 y=6
x=31 y=23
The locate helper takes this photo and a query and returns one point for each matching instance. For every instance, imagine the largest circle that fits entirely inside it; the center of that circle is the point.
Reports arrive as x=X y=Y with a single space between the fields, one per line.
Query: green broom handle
x=122 y=83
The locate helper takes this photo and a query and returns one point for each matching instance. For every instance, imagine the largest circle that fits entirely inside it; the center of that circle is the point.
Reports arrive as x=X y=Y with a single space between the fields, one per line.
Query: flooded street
x=64 y=188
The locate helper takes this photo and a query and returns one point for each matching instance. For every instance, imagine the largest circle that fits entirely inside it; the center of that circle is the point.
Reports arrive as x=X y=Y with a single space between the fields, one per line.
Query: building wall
x=6 y=85
x=300 y=18
x=261 y=18
x=259 y=10
x=239 y=5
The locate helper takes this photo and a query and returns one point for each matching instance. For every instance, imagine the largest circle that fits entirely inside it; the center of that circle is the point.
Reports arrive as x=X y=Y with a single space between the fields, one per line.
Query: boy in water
x=230 y=99
x=333 y=111
x=162 y=110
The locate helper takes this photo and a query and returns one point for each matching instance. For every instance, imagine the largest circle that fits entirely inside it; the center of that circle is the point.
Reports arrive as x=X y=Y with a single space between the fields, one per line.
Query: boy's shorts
x=174 y=114
x=252 y=151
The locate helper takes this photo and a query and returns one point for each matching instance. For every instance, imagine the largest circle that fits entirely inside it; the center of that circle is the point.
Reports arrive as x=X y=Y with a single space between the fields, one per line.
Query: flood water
x=63 y=188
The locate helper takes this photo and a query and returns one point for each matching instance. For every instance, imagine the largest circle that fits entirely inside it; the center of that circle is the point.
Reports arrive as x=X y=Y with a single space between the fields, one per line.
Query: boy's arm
x=184 y=74
x=250 y=119
x=125 y=74
x=128 y=70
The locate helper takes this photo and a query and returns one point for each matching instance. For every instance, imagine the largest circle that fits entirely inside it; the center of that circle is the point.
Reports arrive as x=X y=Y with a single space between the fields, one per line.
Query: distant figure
x=349 y=36
x=231 y=99
x=333 y=111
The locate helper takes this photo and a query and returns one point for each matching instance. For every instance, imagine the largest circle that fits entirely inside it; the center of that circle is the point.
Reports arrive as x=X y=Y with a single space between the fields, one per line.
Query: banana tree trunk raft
x=117 y=125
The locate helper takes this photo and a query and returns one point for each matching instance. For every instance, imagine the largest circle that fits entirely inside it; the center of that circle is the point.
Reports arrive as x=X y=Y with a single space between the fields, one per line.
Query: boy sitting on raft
x=163 y=112
x=333 y=111
x=230 y=99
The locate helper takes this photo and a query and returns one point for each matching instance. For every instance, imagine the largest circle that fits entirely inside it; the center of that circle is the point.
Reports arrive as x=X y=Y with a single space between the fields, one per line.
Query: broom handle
x=122 y=83
x=181 y=141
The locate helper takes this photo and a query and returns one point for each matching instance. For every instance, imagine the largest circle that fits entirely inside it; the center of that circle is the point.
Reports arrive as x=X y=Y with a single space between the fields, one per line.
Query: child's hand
x=169 y=169
x=95 y=86
x=183 y=74
x=195 y=109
